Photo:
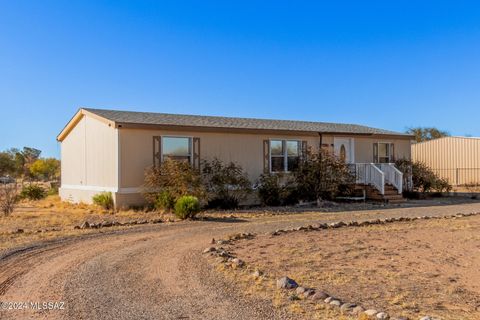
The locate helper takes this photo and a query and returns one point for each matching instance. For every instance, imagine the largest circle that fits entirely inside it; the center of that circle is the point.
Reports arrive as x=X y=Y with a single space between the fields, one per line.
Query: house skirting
x=123 y=197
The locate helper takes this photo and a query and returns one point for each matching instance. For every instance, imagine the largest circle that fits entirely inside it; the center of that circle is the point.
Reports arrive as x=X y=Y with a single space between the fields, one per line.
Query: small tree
x=177 y=178
x=423 y=177
x=322 y=176
x=45 y=169
x=226 y=184
x=8 y=197
x=277 y=189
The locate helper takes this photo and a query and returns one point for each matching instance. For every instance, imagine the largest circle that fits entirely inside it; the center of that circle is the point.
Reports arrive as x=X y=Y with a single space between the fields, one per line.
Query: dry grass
x=410 y=269
x=51 y=218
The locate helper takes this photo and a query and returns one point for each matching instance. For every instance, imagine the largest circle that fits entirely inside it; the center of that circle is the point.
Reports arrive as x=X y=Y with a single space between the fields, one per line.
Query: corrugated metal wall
x=454 y=158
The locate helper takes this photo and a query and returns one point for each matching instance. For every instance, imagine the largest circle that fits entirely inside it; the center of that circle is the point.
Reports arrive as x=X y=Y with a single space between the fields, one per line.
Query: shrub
x=226 y=184
x=177 y=178
x=8 y=197
x=277 y=189
x=322 y=176
x=33 y=192
x=164 y=201
x=104 y=200
x=423 y=177
x=187 y=207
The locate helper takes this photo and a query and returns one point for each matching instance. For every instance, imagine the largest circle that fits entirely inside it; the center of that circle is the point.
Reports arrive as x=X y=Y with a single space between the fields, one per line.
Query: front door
x=343 y=149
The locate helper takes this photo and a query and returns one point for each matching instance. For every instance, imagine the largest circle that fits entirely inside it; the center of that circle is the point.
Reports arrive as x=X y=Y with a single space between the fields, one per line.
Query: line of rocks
x=342 y=224
x=108 y=224
x=287 y=283
x=228 y=259
x=224 y=256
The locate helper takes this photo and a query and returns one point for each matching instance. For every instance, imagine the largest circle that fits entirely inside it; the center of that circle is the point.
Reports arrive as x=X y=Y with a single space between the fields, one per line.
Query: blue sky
x=388 y=64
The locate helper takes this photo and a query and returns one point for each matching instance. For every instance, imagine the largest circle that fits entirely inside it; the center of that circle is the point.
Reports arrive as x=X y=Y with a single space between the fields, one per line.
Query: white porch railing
x=368 y=173
x=376 y=174
x=392 y=175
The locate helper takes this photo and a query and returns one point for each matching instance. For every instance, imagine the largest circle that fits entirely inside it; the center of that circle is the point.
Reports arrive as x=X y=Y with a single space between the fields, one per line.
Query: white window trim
x=285 y=153
x=190 y=146
x=389 y=143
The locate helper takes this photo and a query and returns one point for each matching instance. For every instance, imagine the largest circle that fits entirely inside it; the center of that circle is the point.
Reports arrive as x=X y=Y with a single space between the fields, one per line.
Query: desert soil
x=158 y=271
x=427 y=267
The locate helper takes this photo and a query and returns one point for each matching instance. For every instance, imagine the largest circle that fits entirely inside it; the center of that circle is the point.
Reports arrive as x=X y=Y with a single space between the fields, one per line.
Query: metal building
x=454 y=158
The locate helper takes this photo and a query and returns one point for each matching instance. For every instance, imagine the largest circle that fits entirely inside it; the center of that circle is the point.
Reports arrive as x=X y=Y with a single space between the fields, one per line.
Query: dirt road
x=150 y=272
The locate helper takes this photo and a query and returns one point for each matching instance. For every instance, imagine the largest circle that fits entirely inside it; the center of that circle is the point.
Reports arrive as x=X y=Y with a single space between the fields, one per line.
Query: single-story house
x=108 y=150
x=456 y=159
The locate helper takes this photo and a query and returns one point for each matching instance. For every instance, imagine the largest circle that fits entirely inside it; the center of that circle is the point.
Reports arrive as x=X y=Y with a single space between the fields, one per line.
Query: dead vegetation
x=51 y=218
x=407 y=269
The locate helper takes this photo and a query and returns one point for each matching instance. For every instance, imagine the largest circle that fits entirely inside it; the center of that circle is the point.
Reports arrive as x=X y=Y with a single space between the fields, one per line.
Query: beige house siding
x=364 y=148
x=242 y=148
x=454 y=158
x=89 y=160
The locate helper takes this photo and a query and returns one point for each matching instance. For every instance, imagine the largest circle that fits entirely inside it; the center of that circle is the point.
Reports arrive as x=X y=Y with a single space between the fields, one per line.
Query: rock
x=426 y=318
x=328 y=299
x=106 y=224
x=308 y=293
x=85 y=225
x=336 y=303
x=319 y=295
x=209 y=249
x=286 y=283
x=358 y=310
x=382 y=316
x=398 y=318
x=371 y=312
x=19 y=230
x=257 y=273
x=76 y=227
x=300 y=290
x=213 y=241
x=238 y=263
x=347 y=307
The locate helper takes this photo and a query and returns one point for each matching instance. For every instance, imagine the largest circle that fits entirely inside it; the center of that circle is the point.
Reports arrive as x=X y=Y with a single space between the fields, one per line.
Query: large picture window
x=284 y=155
x=177 y=148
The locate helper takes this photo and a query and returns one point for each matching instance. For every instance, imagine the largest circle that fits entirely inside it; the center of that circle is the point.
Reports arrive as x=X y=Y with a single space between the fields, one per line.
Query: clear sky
x=387 y=64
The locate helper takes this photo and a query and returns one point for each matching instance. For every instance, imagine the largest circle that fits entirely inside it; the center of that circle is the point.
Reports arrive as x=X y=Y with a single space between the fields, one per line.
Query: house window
x=177 y=148
x=383 y=152
x=284 y=155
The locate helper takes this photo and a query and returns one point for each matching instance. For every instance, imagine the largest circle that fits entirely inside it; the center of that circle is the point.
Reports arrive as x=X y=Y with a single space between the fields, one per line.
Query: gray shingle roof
x=151 y=118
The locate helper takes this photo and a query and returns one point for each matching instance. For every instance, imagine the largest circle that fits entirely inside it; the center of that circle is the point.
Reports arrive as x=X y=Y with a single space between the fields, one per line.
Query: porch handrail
x=368 y=173
x=392 y=175
x=376 y=178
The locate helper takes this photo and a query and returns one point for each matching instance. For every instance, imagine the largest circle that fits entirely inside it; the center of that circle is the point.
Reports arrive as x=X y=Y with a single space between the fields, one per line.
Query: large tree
x=45 y=169
x=7 y=164
x=427 y=133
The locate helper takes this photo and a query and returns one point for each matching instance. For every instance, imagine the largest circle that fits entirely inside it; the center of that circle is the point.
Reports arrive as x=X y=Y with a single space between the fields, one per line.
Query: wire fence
x=460 y=176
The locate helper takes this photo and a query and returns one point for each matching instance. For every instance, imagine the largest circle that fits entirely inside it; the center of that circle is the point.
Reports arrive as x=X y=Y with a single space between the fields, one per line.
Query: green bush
x=165 y=201
x=226 y=184
x=33 y=192
x=187 y=207
x=277 y=189
x=104 y=200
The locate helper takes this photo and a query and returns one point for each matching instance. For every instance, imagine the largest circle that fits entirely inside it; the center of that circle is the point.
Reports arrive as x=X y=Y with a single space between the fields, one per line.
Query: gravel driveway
x=150 y=272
